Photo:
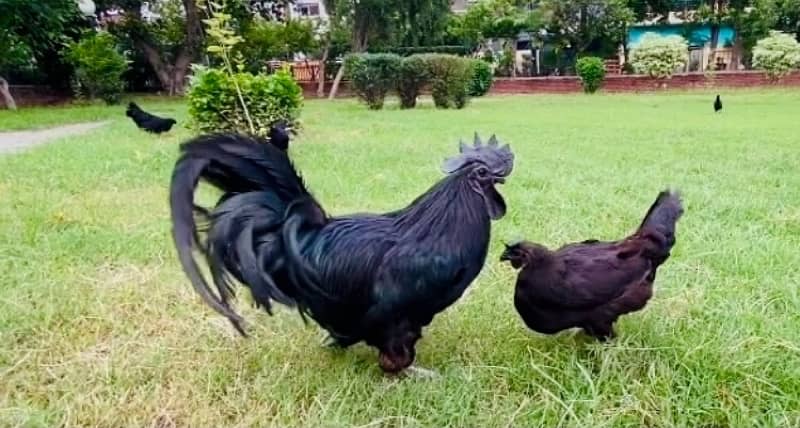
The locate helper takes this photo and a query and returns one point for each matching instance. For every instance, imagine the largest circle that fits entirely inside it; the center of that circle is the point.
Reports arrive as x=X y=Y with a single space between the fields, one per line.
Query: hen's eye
x=482 y=171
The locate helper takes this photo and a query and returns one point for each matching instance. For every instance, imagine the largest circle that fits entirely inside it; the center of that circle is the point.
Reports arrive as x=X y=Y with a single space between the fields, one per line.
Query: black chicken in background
x=148 y=122
x=377 y=278
x=592 y=283
x=717 y=104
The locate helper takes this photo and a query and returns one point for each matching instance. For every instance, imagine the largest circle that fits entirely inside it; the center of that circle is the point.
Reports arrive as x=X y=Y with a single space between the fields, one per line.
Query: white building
x=309 y=9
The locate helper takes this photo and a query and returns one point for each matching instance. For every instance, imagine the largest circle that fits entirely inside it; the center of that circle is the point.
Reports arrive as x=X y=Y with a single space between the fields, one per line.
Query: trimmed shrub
x=450 y=77
x=444 y=49
x=98 y=67
x=777 y=54
x=412 y=76
x=372 y=76
x=592 y=72
x=215 y=106
x=482 y=78
x=659 y=56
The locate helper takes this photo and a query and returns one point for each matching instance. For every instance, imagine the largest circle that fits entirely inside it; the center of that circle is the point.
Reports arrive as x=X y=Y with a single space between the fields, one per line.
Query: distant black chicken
x=366 y=277
x=717 y=104
x=592 y=283
x=147 y=121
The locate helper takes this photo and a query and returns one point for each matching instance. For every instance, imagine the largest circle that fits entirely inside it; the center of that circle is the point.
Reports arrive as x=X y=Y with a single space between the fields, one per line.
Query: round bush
x=482 y=78
x=592 y=72
x=659 y=56
x=450 y=77
x=214 y=103
x=372 y=76
x=777 y=54
x=98 y=67
x=412 y=76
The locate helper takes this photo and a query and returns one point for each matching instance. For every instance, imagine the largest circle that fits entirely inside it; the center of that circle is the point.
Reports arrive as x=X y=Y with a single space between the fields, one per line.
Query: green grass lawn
x=41 y=117
x=99 y=327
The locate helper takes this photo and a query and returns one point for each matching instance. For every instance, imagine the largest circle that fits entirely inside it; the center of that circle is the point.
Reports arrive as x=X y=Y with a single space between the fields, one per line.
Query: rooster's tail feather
x=244 y=234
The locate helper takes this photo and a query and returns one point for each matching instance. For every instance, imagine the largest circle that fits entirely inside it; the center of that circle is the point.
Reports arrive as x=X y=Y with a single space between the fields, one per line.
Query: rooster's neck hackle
x=450 y=200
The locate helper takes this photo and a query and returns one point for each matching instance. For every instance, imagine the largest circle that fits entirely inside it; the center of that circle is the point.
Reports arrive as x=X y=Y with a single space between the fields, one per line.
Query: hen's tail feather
x=662 y=218
x=244 y=231
x=664 y=213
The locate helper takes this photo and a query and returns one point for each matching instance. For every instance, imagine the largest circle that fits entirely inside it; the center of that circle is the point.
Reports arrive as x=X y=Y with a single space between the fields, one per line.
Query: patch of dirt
x=16 y=141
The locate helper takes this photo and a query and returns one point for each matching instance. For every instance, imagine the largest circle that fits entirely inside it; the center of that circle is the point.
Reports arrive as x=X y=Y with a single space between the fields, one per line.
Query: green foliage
x=372 y=76
x=270 y=40
x=505 y=63
x=98 y=67
x=592 y=72
x=412 y=76
x=14 y=52
x=482 y=78
x=230 y=99
x=659 y=56
x=215 y=96
x=443 y=49
x=450 y=77
x=33 y=34
x=777 y=54
x=420 y=23
x=573 y=27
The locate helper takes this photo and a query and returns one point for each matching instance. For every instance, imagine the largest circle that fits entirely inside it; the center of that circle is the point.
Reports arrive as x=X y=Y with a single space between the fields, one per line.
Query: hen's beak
x=500 y=180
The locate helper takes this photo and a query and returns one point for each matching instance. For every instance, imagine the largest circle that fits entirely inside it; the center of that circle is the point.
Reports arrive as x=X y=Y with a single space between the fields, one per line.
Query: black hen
x=147 y=121
x=592 y=283
x=365 y=277
x=717 y=104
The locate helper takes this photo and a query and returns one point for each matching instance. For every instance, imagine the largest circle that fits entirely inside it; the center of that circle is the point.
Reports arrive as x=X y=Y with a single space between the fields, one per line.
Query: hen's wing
x=592 y=274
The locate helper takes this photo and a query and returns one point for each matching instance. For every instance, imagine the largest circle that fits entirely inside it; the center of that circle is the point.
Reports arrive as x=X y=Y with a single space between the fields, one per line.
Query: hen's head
x=484 y=166
x=524 y=253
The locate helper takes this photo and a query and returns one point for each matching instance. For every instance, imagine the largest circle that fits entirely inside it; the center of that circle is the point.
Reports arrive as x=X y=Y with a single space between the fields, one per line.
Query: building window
x=309 y=10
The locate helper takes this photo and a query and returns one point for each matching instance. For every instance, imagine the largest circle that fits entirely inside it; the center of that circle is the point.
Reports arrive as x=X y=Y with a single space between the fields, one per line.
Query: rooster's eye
x=482 y=171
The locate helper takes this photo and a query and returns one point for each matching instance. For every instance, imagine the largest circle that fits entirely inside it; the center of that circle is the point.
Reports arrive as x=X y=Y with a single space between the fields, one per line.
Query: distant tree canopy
x=32 y=34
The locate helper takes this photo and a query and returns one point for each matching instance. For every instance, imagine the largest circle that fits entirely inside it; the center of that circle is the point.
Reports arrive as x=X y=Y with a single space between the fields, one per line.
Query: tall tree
x=330 y=27
x=366 y=20
x=170 y=58
x=786 y=15
x=32 y=33
x=422 y=22
x=580 y=23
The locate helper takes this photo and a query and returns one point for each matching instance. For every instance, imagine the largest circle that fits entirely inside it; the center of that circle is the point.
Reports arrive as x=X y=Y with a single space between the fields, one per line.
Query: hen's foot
x=421 y=373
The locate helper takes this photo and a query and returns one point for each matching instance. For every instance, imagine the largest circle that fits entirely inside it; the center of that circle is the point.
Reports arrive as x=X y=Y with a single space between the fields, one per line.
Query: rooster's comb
x=498 y=158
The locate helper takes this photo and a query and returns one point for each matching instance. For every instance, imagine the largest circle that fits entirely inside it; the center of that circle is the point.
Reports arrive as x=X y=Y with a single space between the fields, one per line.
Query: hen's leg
x=420 y=372
x=600 y=330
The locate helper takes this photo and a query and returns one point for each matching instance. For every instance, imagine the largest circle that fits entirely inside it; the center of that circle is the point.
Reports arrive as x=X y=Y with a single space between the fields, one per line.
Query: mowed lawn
x=99 y=327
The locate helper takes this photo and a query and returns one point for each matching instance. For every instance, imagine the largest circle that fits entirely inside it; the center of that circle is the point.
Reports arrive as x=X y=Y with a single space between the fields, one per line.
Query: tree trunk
x=321 y=69
x=336 y=81
x=359 y=45
x=173 y=76
x=736 y=53
x=6 y=93
x=513 y=48
x=714 y=43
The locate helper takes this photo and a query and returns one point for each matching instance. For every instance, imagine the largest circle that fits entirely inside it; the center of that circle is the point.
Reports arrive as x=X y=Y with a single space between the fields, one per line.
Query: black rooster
x=592 y=283
x=717 y=104
x=377 y=278
x=147 y=121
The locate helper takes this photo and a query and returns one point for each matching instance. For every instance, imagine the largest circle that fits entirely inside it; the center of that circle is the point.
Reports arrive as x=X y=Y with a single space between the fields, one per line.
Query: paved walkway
x=15 y=141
